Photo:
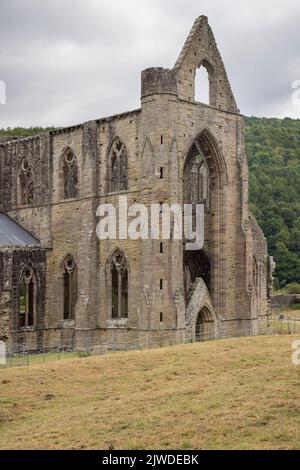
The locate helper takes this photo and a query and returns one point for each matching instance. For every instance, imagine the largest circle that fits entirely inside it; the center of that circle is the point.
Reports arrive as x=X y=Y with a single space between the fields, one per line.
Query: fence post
x=10 y=359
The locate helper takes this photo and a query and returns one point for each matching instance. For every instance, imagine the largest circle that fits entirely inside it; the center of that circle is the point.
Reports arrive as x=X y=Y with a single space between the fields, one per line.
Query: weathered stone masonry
x=224 y=289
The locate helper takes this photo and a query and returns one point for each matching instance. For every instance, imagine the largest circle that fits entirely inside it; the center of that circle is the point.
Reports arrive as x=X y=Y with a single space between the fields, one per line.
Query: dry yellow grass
x=230 y=394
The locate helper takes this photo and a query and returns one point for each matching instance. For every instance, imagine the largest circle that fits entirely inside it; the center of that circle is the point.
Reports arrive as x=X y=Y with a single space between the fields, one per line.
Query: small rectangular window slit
x=161 y=284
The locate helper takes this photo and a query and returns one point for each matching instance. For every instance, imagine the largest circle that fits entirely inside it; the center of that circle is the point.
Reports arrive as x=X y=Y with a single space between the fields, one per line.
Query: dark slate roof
x=12 y=234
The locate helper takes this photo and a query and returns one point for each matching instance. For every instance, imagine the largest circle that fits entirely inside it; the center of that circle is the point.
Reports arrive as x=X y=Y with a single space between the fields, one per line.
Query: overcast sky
x=69 y=61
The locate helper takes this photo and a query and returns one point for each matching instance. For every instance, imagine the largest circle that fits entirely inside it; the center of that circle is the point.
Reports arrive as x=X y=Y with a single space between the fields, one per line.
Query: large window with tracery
x=119 y=286
x=118 y=172
x=27 y=298
x=25 y=183
x=70 y=175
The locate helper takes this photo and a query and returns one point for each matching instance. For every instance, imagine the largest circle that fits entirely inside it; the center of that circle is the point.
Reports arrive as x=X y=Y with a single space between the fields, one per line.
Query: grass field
x=228 y=394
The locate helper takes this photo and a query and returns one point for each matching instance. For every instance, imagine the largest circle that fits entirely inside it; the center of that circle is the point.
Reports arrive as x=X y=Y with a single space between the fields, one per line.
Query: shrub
x=293 y=288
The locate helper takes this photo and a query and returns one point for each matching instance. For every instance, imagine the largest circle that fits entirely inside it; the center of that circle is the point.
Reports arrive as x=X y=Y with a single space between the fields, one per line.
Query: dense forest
x=273 y=151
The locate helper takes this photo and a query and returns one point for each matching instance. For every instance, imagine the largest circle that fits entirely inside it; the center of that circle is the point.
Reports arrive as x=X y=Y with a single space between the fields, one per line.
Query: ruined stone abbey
x=59 y=284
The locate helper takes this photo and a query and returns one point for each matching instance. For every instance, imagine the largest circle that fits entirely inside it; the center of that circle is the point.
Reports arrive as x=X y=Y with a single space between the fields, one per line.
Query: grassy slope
x=238 y=393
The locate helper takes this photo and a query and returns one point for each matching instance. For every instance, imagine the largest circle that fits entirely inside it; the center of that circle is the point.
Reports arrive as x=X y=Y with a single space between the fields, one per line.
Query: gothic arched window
x=27 y=298
x=118 y=174
x=70 y=175
x=25 y=183
x=69 y=287
x=205 y=84
x=202 y=85
x=255 y=273
x=119 y=286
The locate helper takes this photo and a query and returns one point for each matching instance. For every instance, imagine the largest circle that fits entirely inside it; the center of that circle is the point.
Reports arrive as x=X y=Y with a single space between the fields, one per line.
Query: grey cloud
x=67 y=61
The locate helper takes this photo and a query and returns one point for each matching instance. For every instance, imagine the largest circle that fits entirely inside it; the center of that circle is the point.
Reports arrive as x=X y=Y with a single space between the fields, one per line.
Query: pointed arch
x=204 y=327
x=205 y=67
x=28 y=289
x=206 y=143
x=148 y=159
x=68 y=169
x=25 y=183
x=118 y=267
x=115 y=252
x=117 y=166
x=70 y=287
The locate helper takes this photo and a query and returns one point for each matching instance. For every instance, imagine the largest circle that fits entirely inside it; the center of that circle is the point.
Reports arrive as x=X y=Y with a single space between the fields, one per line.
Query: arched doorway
x=204 y=327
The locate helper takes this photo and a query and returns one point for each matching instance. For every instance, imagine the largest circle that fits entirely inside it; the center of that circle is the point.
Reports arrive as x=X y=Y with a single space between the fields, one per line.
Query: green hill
x=273 y=151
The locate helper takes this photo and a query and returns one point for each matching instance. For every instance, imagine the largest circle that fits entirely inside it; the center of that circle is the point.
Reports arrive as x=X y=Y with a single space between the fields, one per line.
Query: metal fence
x=24 y=355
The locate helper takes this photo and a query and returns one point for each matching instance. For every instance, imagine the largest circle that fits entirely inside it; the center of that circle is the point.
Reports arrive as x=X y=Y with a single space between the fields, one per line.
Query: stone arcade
x=60 y=285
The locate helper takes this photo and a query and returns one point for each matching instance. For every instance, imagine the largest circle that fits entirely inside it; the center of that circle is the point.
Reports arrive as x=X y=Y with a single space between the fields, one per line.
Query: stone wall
x=5 y=307
x=12 y=264
x=5 y=300
x=4 y=139
x=285 y=300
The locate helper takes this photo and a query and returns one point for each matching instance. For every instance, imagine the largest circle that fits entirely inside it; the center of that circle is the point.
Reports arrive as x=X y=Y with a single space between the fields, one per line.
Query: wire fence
x=27 y=354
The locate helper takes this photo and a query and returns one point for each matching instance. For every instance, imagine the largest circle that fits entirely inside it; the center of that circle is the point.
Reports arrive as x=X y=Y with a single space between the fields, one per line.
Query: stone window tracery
x=27 y=298
x=70 y=287
x=70 y=175
x=25 y=178
x=119 y=286
x=118 y=174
